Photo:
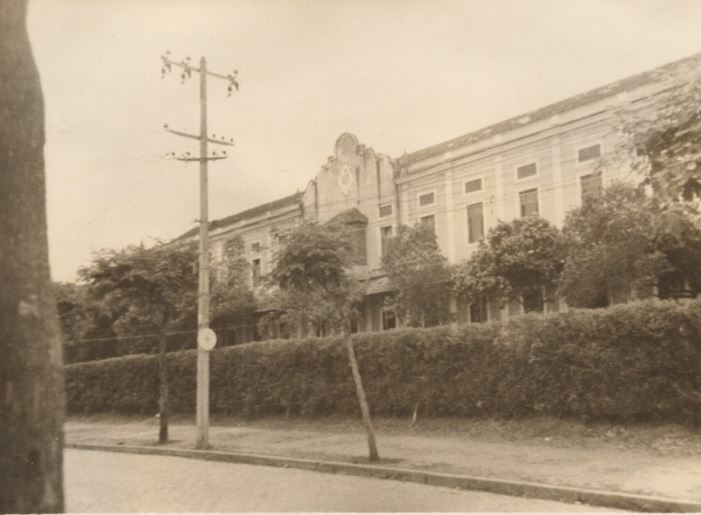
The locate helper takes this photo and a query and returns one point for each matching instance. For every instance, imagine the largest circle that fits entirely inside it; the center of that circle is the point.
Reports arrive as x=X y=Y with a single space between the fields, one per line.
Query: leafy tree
x=621 y=243
x=679 y=239
x=146 y=290
x=516 y=260
x=31 y=368
x=140 y=291
x=660 y=135
x=232 y=301
x=312 y=274
x=419 y=274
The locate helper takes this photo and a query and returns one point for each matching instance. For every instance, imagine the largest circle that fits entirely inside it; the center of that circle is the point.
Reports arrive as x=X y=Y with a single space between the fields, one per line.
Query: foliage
x=516 y=259
x=640 y=360
x=479 y=278
x=621 y=243
x=679 y=239
x=311 y=278
x=127 y=295
x=143 y=289
x=611 y=254
x=232 y=300
x=660 y=134
x=313 y=256
x=419 y=274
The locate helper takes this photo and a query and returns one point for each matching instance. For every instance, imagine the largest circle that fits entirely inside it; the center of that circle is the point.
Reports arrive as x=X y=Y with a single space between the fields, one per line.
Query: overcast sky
x=400 y=74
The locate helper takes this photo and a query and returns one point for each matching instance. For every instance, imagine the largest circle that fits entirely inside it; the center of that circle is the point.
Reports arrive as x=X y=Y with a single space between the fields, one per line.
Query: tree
x=311 y=272
x=660 y=134
x=517 y=261
x=146 y=290
x=31 y=369
x=419 y=274
x=232 y=300
x=621 y=243
x=679 y=239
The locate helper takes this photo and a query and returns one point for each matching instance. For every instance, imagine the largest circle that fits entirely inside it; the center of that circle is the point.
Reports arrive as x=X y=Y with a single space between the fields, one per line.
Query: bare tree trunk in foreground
x=360 y=391
x=31 y=369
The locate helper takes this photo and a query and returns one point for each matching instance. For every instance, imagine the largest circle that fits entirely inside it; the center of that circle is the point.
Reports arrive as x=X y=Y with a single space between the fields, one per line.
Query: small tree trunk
x=163 y=386
x=360 y=391
x=31 y=368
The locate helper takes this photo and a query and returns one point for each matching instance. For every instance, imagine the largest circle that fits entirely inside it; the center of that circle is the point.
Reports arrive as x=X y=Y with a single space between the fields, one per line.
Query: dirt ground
x=653 y=459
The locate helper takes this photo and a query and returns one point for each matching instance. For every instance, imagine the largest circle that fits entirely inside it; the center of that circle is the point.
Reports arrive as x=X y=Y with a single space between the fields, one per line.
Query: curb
x=600 y=498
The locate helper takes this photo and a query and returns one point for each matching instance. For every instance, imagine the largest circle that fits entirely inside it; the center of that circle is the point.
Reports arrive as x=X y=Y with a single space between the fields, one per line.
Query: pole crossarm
x=185 y=65
x=216 y=158
x=197 y=137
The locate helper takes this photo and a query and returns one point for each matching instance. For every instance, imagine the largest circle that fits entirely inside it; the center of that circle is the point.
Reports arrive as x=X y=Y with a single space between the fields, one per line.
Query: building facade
x=545 y=161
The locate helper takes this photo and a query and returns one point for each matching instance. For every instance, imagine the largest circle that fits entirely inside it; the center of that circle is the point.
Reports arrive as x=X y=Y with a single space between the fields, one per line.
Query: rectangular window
x=475 y=223
x=385 y=235
x=479 y=311
x=255 y=246
x=529 y=201
x=385 y=210
x=589 y=153
x=389 y=321
x=359 y=245
x=429 y=221
x=427 y=199
x=533 y=301
x=255 y=271
x=591 y=185
x=472 y=186
x=529 y=170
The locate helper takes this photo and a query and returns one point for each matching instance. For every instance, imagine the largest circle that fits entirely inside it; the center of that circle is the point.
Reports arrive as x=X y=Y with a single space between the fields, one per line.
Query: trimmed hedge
x=634 y=361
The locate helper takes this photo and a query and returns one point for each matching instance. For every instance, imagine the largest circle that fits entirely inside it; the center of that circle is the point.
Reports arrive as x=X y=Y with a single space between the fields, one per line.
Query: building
x=544 y=161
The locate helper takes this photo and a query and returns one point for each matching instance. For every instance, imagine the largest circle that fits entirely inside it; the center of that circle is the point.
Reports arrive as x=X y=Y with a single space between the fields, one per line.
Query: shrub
x=634 y=361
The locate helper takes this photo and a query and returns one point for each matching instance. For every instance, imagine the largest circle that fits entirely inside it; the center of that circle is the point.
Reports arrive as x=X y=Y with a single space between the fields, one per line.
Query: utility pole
x=203 y=331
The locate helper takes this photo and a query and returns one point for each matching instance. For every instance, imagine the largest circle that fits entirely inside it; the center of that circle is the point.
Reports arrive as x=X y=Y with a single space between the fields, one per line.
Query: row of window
x=522 y=172
x=591 y=185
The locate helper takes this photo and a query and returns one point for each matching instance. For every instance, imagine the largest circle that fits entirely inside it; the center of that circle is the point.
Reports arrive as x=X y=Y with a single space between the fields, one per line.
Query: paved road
x=109 y=482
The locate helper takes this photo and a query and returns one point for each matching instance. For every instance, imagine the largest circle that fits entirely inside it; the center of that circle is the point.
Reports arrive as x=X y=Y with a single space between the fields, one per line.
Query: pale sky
x=400 y=74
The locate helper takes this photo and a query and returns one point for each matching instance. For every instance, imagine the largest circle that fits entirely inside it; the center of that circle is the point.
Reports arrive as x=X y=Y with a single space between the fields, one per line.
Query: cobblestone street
x=109 y=482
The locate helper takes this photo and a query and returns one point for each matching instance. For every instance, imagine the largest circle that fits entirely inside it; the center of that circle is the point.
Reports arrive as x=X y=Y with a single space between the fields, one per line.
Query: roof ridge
x=559 y=106
x=247 y=213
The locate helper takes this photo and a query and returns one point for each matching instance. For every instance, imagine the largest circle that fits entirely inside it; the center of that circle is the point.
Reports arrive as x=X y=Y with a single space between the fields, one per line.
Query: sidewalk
x=616 y=466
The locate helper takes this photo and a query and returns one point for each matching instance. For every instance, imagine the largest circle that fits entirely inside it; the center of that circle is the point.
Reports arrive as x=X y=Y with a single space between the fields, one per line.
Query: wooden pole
x=163 y=386
x=203 y=293
x=360 y=392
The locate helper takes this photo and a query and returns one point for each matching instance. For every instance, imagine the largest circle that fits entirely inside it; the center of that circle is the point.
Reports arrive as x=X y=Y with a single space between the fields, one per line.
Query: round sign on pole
x=206 y=339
